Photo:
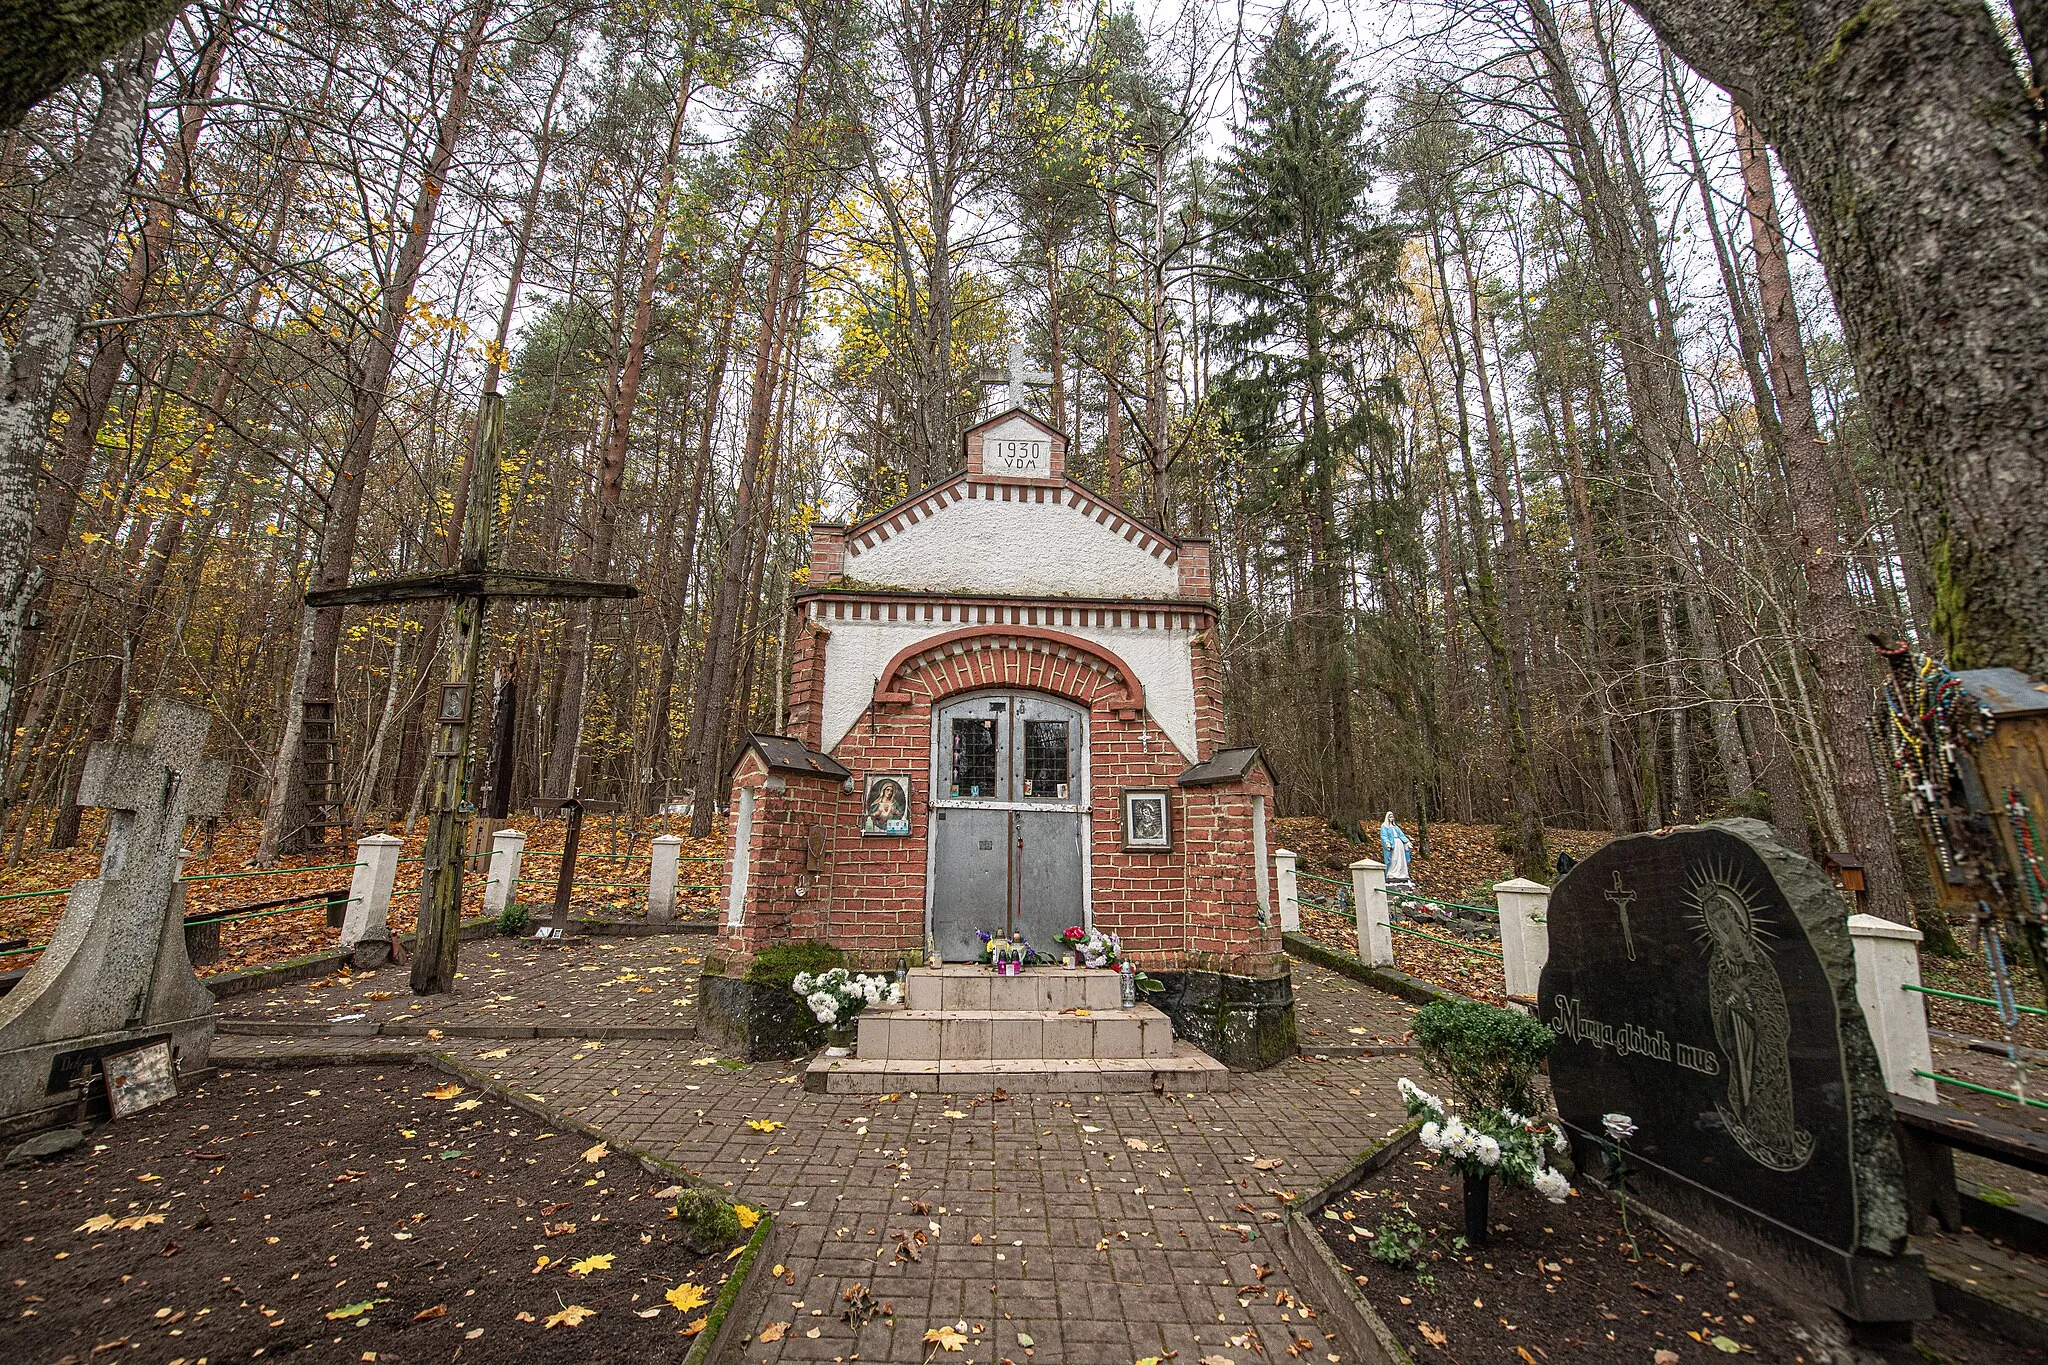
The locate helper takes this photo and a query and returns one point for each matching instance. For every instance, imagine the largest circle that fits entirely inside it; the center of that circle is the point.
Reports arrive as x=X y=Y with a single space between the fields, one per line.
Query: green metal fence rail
x=31 y=895
x=1448 y=905
x=1970 y=999
x=1328 y=881
x=1980 y=1089
x=264 y=872
x=1438 y=938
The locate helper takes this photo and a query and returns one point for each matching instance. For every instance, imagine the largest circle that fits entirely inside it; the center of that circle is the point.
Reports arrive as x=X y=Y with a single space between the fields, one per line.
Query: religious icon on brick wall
x=1147 y=820
x=887 y=808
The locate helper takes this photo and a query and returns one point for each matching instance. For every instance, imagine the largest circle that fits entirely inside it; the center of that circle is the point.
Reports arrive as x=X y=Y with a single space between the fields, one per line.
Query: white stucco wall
x=856 y=652
x=1016 y=549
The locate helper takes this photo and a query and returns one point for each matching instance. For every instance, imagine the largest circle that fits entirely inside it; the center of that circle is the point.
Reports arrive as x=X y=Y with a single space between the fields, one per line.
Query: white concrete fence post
x=1524 y=934
x=1286 y=862
x=662 y=878
x=369 y=891
x=1887 y=962
x=1369 y=898
x=507 y=847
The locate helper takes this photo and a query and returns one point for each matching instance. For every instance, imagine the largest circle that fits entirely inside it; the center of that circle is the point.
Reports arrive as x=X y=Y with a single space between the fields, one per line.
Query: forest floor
x=224 y=878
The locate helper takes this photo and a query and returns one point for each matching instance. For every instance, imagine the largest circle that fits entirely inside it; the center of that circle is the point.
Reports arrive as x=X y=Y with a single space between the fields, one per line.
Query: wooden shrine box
x=1006 y=717
x=1847 y=871
x=2007 y=774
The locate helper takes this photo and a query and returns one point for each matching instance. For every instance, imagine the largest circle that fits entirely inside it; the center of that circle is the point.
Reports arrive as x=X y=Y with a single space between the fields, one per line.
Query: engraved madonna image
x=1751 y=1021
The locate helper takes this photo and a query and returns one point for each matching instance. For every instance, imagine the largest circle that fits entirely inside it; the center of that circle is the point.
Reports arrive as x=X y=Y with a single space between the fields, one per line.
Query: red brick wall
x=1194 y=906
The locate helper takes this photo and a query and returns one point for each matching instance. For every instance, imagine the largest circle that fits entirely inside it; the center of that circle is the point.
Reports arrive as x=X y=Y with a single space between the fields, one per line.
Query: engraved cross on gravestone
x=115 y=973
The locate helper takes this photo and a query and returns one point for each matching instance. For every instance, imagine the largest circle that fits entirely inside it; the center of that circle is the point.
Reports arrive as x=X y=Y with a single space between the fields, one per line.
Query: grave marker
x=1702 y=982
x=115 y=974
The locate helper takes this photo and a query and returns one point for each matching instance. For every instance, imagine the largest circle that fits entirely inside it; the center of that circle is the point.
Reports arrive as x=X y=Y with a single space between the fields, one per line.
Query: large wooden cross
x=469 y=586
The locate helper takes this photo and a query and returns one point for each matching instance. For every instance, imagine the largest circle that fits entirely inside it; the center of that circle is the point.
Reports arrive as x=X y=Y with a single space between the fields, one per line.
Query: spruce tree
x=1303 y=260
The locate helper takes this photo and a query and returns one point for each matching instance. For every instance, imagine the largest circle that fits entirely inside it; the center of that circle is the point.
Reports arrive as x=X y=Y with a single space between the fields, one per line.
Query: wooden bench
x=1929 y=1137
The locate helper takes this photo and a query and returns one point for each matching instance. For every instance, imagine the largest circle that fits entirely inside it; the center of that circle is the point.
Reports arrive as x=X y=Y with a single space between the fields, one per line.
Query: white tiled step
x=1187 y=1068
x=967 y=986
x=995 y=1035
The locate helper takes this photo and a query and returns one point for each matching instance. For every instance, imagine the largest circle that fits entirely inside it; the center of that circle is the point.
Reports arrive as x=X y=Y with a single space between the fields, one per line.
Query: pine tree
x=1305 y=261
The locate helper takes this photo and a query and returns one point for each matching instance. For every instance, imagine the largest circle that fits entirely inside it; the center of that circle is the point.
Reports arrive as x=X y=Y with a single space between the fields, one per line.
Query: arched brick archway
x=1013 y=656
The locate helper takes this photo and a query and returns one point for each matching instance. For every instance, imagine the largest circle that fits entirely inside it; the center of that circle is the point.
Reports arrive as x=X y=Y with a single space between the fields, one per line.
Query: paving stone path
x=1102 y=1228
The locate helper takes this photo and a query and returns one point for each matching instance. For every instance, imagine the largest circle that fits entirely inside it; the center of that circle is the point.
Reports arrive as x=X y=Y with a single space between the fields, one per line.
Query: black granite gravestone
x=1702 y=982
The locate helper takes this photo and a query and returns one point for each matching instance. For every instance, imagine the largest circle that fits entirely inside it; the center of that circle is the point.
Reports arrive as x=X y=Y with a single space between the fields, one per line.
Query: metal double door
x=1009 y=806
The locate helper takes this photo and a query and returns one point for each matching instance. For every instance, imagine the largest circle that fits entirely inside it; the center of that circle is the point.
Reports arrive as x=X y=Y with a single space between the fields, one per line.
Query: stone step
x=1187 y=1068
x=969 y=986
x=897 y=1033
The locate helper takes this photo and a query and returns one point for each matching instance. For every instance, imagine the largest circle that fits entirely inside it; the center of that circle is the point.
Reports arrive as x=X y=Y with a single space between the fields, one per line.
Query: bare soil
x=1566 y=1282
x=348 y=1214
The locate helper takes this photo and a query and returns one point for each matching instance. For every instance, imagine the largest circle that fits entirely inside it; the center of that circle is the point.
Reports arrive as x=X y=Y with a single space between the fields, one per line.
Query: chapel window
x=974 y=757
x=1045 y=758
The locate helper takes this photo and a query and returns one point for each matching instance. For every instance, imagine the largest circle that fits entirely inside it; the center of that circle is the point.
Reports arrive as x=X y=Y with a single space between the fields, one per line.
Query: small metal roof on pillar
x=1226 y=765
x=2006 y=693
x=781 y=754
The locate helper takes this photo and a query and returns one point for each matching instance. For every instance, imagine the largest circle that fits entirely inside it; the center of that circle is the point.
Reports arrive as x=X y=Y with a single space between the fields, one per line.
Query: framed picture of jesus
x=886 y=811
x=1148 y=821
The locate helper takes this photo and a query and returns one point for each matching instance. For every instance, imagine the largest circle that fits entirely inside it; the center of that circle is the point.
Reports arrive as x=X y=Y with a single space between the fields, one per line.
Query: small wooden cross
x=469 y=586
x=572 y=841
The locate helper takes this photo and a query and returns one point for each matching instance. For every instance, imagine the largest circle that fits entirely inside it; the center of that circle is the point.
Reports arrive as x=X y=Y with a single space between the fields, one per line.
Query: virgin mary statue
x=1394 y=845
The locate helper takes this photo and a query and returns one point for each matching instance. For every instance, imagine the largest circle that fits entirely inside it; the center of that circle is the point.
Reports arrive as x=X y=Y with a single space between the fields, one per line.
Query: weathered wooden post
x=470 y=586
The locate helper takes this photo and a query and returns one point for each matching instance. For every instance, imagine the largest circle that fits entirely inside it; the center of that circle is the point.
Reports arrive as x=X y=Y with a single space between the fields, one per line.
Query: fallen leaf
x=1431 y=1335
x=687 y=1296
x=139 y=1221
x=773 y=1331
x=439 y=1310
x=946 y=1339
x=765 y=1125
x=952 y=1114
x=1664 y=1357
x=696 y=1325
x=571 y=1316
x=1087 y=1128
x=542 y=1264
x=590 y=1264
x=470 y=1104
x=354 y=1309
x=1148 y=1360
x=494 y=1054
x=597 y=1153
x=1138 y=1144
x=747 y=1216
x=444 y=1092
x=99 y=1222
x=1026 y=1339
x=1725 y=1345
x=1267 y=1163
x=647 y=1312
x=1215 y=1360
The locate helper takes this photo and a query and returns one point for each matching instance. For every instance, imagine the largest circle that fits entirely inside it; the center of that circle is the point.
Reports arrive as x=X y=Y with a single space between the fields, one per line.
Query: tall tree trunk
x=1840 y=657
x=713 y=693
x=66 y=277
x=1938 y=262
x=563 y=759
x=288 y=825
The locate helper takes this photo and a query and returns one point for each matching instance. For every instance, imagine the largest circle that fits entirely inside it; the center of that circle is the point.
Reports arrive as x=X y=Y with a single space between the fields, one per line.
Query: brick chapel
x=1006 y=718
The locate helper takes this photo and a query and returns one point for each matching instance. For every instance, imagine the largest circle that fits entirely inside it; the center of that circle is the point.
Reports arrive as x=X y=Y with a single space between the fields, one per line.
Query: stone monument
x=1702 y=982
x=115 y=975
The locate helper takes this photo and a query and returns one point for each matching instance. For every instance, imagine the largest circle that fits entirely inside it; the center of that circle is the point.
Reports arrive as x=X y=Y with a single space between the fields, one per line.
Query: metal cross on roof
x=1017 y=381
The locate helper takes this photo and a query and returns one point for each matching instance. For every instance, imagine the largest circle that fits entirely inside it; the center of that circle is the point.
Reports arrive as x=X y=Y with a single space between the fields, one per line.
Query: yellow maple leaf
x=601 y=1261
x=139 y=1221
x=765 y=1125
x=687 y=1296
x=444 y=1092
x=597 y=1153
x=570 y=1316
x=946 y=1339
x=748 y=1217
x=696 y=1325
x=99 y=1222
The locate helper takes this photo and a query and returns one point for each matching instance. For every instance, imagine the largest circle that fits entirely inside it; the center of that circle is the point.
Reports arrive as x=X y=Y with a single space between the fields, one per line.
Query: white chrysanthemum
x=801 y=984
x=1551 y=1184
x=1558 y=1138
x=1488 y=1150
x=1619 y=1126
x=1432 y=1137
